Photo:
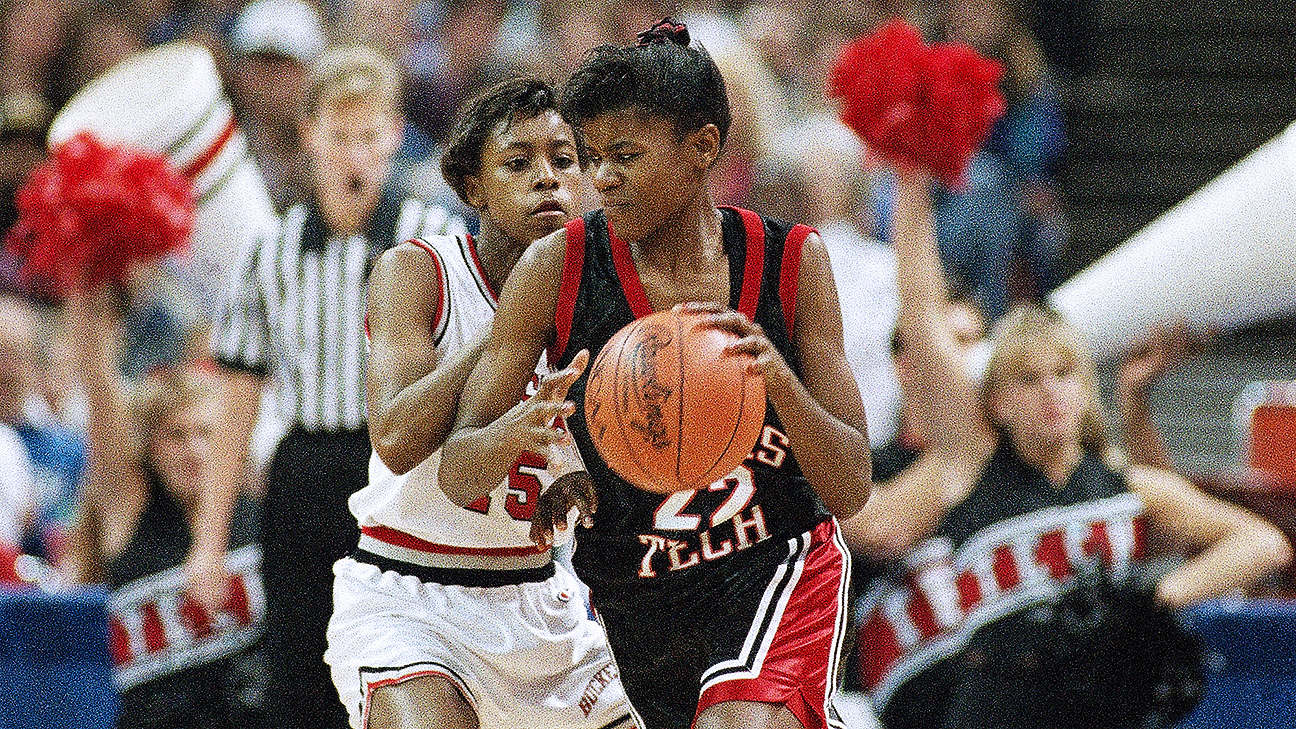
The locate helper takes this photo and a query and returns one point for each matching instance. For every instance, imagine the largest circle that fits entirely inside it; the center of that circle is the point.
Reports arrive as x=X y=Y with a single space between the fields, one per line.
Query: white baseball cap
x=289 y=28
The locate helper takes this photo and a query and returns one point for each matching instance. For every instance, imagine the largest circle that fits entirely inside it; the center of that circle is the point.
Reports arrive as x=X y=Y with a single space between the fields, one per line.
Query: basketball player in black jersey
x=724 y=606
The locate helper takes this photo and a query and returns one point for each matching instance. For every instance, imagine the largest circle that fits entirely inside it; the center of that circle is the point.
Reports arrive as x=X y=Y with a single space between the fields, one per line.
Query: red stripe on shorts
x=803 y=653
x=409 y=541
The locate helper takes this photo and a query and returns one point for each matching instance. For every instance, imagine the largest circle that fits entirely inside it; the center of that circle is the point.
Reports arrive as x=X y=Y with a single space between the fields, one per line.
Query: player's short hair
x=663 y=75
x=524 y=97
x=349 y=73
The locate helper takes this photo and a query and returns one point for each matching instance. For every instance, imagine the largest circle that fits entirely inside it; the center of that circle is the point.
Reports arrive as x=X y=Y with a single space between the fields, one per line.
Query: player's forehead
x=542 y=131
x=626 y=127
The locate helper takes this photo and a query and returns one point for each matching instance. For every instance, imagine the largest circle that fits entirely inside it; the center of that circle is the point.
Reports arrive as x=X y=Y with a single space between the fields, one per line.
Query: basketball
x=667 y=409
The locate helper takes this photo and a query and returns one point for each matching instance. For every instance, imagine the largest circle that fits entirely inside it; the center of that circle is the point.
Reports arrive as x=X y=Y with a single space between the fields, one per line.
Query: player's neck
x=695 y=234
x=497 y=252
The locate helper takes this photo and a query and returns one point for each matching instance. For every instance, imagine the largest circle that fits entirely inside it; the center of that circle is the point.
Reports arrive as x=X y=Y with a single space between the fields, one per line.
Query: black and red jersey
x=646 y=541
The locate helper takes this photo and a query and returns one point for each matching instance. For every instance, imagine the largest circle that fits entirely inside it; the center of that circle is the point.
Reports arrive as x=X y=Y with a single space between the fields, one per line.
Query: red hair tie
x=665 y=30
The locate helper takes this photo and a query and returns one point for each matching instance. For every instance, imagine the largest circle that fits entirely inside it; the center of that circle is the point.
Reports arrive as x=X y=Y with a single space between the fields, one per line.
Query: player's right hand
x=573 y=490
x=530 y=425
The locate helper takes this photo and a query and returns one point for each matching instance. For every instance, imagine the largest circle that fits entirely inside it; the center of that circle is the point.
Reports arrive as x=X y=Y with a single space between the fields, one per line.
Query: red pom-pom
x=919 y=106
x=92 y=212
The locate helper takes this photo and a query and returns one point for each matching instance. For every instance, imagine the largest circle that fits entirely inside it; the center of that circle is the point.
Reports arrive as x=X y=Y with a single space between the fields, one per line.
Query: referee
x=295 y=311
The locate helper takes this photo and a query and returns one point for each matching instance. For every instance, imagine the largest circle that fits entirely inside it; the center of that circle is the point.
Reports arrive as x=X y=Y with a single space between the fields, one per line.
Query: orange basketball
x=667 y=408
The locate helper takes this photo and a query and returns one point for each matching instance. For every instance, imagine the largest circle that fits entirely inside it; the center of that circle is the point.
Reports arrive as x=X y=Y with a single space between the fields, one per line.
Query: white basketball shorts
x=525 y=656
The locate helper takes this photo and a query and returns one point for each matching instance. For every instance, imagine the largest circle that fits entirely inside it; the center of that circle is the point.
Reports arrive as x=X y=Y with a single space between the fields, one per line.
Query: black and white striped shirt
x=295 y=305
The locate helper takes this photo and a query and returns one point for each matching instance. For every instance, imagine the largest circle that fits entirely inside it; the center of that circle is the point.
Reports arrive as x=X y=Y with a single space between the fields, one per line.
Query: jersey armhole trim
x=441 y=319
x=573 y=265
x=790 y=273
x=753 y=262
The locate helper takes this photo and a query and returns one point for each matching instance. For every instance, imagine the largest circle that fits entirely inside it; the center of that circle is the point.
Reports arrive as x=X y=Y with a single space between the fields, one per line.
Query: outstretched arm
x=1163 y=348
x=959 y=425
x=115 y=489
x=496 y=425
x=1234 y=548
x=412 y=398
x=821 y=410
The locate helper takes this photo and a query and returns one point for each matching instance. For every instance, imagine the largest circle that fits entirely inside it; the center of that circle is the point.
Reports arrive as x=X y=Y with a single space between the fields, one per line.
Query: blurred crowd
x=1000 y=233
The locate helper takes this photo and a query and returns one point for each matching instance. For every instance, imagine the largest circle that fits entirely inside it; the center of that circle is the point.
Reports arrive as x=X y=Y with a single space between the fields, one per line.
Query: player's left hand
x=573 y=490
x=752 y=340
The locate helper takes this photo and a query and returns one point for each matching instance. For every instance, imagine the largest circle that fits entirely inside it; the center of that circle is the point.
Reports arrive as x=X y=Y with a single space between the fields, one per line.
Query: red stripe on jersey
x=1051 y=553
x=409 y=541
x=1140 y=538
x=154 y=633
x=879 y=649
x=1098 y=544
x=1005 y=568
x=195 y=168
x=754 y=265
x=921 y=613
x=442 y=282
x=573 y=264
x=969 y=590
x=790 y=273
x=629 y=276
x=119 y=646
x=472 y=250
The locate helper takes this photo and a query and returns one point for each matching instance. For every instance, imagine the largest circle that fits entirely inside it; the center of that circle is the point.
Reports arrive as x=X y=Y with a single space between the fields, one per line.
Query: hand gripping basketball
x=676 y=400
x=751 y=339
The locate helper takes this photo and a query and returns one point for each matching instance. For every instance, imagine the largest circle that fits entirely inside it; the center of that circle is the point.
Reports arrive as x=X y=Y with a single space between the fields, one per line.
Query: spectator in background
x=24 y=118
x=566 y=30
x=1017 y=478
x=33 y=33
x=389 y=25
x=99 y=35
x=56 y=455
x=759 y=111
x=465 y=58
x=813 y=172
x=1002 y=231
x=1026 y=143
x=294 y=311
x=150 y=460
x=273 y=42
x=976 y=227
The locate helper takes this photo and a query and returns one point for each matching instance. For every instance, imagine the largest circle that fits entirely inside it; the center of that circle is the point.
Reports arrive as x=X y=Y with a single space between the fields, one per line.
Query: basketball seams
x=708 y=476
x=635 y=437
x=618 y=412
x=742 y=404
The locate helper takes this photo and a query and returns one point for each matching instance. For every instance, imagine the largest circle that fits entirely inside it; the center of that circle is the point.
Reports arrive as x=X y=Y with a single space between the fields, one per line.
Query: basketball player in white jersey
x=450 y=615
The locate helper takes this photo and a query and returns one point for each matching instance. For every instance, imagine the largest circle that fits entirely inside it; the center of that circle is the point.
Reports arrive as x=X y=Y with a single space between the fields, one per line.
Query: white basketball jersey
x=409 y=517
